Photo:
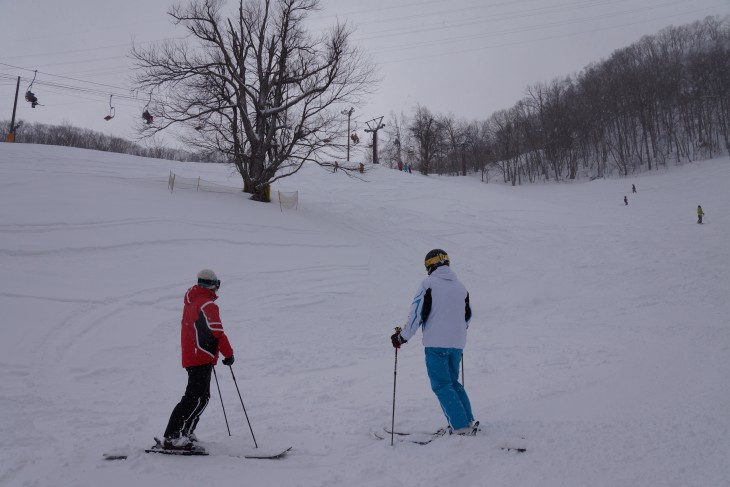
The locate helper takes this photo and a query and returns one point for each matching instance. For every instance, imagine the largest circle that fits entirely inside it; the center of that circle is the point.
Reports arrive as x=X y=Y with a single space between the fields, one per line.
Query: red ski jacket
x=202 y=335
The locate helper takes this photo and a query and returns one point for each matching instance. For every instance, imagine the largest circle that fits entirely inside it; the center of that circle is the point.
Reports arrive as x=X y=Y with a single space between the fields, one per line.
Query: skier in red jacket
x=201 y=337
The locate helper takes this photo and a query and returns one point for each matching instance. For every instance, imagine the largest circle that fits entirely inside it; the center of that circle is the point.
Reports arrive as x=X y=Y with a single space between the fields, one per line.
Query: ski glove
x=397 y=340
x=229 y=360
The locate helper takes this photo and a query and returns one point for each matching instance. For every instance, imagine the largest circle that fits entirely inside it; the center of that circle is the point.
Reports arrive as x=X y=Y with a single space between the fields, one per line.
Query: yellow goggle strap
x=437 y=259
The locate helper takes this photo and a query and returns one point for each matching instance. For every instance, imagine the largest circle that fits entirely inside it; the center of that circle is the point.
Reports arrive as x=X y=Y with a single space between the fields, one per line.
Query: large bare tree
x=256 y=87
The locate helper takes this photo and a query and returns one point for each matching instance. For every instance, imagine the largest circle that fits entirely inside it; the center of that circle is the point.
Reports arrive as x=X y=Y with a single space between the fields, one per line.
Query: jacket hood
x=444 y=272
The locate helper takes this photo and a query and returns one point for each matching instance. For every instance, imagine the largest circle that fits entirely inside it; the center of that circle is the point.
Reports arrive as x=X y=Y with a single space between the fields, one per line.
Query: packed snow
x=600 y=330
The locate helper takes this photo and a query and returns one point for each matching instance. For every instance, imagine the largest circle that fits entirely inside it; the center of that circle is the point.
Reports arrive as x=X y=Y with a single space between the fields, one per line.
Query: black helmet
x=435 y=259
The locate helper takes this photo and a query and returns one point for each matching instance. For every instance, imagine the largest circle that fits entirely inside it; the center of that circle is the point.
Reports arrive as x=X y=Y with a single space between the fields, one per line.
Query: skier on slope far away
x=441 y=307
x=201 y=337
x=700 y=214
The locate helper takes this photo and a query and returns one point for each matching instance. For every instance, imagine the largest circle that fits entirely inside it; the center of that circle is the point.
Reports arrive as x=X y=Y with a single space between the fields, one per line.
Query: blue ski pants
x=442 y=365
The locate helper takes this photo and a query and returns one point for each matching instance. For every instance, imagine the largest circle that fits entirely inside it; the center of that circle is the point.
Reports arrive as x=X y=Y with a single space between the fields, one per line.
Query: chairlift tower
x=11 y=133
x=349 y=114
x=373 y=126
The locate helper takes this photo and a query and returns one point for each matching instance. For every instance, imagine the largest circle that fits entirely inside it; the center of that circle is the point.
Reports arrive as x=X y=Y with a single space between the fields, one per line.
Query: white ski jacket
x=441 y=306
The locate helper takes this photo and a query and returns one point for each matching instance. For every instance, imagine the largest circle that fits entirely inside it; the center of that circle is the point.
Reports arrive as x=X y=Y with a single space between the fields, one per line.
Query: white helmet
x=208 y=279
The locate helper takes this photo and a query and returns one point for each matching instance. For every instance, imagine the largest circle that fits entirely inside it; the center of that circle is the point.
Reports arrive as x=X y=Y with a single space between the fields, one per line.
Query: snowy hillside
x=601 y=332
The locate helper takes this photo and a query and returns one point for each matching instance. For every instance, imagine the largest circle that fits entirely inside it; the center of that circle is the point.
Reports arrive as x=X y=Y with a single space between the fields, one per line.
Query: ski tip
x=114 y=456
x=518 y=445
x=267 y=456
x=518 y=449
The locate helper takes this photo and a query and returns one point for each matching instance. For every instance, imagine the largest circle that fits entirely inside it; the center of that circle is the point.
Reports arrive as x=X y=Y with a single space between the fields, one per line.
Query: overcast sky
x=464 y=57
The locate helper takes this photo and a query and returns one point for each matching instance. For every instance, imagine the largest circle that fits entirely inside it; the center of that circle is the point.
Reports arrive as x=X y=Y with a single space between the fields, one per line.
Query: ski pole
x=244 y=407
x=222 y=405
x=462 y=370
x=395 y=376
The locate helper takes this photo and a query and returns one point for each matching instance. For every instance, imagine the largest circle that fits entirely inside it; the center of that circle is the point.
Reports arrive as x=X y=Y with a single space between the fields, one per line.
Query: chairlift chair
x=112 y=111
x=146 y=114
x=201 y=122
x=29 y=95
x=31 y=98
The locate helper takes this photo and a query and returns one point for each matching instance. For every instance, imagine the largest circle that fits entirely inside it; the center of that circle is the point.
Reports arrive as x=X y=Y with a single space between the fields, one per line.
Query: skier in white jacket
x=441 y=307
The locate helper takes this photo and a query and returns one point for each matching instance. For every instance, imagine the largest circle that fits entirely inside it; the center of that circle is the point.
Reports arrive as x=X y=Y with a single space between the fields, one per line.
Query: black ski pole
x=395 y=376
x=222 y=405
x=462 y=370
x=244 y=407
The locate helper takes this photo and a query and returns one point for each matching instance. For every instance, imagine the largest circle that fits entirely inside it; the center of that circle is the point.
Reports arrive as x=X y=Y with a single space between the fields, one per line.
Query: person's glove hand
x=397 y=339
x=229 y=360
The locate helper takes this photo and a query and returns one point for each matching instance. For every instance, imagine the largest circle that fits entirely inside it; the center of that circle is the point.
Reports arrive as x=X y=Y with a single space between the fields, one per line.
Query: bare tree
x=453 y=140
x=426 y=132
x=256 y=87
x=395 y=144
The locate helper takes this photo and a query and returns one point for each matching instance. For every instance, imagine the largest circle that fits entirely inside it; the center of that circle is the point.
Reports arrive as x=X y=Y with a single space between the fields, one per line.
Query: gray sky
x=464 y=57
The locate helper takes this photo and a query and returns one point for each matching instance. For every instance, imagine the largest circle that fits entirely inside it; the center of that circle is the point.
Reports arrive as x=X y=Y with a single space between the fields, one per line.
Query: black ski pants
x=185 y=416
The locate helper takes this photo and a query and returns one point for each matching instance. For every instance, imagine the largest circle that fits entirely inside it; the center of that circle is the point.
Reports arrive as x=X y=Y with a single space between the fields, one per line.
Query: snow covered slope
x=601 y=331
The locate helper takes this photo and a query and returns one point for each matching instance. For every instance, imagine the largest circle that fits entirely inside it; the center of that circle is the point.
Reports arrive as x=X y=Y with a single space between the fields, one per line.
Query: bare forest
x=67 y=135
x=663 y=100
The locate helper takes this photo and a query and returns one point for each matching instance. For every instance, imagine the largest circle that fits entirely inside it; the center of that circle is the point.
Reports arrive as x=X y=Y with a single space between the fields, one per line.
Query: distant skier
x=441 y=308
x=700 y=214
x=633 y=188
x=626 y=201
x=202 y=337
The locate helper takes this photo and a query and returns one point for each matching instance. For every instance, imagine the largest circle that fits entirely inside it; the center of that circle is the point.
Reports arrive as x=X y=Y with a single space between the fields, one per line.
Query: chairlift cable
x=66 y=77
x=89 y=91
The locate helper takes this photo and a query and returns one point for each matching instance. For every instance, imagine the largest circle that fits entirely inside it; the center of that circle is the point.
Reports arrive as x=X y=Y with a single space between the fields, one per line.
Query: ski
x=518 y=445
x=261 y=455
x=183 y=453
x=160 y=448
x=437 y=433
x=253 y=456
x=419 y=439
x=199 y=451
